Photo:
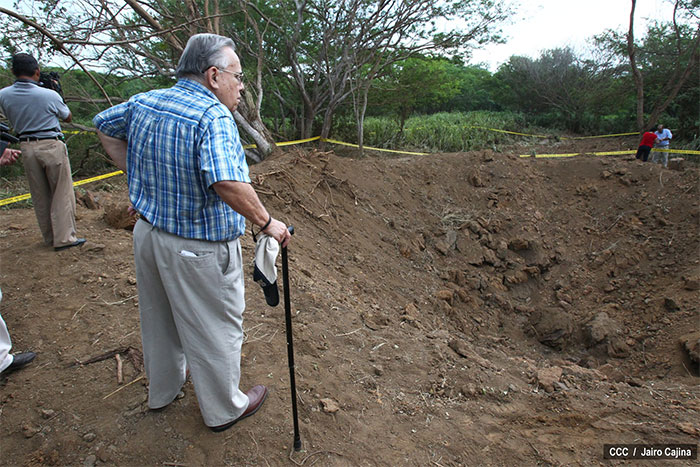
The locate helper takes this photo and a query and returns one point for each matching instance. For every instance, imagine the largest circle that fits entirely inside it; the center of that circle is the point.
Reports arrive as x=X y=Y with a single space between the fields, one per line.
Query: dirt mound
x=472 y=308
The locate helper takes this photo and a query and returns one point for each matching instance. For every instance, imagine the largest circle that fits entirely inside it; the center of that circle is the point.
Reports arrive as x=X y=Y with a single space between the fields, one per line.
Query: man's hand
x=9 y=156
x=279 y=232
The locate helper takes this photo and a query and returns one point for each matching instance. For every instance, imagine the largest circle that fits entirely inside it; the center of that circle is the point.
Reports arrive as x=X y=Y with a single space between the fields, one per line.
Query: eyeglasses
x=236 y=74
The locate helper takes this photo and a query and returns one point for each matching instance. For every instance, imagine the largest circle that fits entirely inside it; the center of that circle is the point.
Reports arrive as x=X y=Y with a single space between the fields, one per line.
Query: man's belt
x=40 y=138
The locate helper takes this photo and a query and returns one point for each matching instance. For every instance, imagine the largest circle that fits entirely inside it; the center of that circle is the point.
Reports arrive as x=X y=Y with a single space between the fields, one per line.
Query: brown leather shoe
x=256 y=397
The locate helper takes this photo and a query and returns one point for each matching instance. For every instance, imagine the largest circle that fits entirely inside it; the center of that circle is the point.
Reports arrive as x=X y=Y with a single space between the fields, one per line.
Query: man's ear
x=211 y=77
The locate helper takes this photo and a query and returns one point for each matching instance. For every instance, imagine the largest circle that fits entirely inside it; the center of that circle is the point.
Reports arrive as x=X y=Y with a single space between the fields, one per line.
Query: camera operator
x=34 y=113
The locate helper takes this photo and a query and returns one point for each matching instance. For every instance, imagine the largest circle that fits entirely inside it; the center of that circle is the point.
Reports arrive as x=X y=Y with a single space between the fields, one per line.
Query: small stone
x=103 y=454
x=689 y=429
x=329 y=406
x=677 y=163
x=89 y=437
x=547 y=377
x=446 y=295
x=410 y=313
x=671 y=305
x=469 y=390
x=29 y=431
x=518 y=244
x=47 y=413
x=88 y=200
x=94 y=247
x=378 y=370
x=90 y=460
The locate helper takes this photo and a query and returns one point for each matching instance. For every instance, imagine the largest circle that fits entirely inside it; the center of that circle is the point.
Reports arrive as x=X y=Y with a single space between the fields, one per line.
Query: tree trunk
x=361 y=111
x=307 y=122
x=264 y=148
x=658 y=110
x=638 y=80
x=248 y=118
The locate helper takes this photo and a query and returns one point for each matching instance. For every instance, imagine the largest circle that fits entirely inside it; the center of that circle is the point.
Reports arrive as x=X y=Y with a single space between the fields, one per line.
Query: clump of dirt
x=452 y=309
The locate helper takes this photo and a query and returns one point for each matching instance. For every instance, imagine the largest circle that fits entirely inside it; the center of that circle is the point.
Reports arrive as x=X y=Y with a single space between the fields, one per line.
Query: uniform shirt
x=665 y=133
x=33 y=110
x=180 y=141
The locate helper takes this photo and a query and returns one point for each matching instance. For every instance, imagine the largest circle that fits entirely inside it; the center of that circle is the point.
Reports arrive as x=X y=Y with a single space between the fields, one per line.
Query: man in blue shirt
x=663 y=136
x=188 y=179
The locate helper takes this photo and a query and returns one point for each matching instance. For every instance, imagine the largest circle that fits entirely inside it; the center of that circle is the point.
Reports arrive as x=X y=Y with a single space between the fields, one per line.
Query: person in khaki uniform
x=34 y=113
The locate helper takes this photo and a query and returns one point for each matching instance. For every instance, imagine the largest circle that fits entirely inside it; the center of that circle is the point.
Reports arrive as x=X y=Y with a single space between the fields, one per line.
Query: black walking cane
x=290 y=343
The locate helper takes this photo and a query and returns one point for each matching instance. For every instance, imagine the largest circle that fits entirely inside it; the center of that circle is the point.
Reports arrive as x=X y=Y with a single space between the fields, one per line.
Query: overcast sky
x=548 y=24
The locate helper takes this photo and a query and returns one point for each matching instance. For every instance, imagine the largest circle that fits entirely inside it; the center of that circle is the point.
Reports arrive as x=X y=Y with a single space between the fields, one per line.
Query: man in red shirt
x=648 y=140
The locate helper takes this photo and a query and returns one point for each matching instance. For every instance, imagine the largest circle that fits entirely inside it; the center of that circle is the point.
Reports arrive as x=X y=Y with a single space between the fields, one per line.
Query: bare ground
x=453 y=309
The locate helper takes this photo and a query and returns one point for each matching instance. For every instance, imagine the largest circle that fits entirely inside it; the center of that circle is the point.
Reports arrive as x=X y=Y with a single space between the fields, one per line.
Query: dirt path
x=455 y=309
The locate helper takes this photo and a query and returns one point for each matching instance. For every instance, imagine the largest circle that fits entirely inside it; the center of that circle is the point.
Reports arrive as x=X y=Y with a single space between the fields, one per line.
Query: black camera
x=51 y=80
x=5 y=134
x=6 y=138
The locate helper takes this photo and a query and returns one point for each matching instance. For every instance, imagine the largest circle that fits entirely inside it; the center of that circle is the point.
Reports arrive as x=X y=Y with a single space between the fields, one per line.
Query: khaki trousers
x=191 y=302
x=51 y=186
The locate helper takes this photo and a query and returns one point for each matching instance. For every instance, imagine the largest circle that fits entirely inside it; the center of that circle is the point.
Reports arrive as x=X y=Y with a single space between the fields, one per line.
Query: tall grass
x=444 y=132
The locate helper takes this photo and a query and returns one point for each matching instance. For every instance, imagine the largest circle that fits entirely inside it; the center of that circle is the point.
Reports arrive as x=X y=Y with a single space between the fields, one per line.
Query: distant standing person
x=648 y=140
x=664 y=138
x=188 y=178
x=34 y=113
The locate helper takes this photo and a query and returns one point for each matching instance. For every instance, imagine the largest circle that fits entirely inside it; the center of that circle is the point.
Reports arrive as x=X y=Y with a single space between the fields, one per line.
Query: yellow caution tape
x=99 y=177
x=298 y=141
x=373 y=149
x=506 y=131
x=612 y=153
x=677 y=151
x=599 y=136
x=15 y=199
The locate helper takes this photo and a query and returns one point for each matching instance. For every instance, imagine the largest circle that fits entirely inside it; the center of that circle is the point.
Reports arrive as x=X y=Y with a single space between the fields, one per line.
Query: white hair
x=202 y=52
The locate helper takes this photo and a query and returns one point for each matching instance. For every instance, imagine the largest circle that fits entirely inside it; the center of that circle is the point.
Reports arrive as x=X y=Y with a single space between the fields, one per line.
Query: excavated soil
x=454 y=309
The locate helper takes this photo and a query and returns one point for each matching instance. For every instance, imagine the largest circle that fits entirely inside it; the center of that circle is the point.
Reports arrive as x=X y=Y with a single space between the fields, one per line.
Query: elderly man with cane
x=189 y=180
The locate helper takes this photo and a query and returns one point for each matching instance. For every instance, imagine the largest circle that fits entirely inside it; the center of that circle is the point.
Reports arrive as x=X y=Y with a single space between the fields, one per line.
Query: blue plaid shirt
x=180 y=141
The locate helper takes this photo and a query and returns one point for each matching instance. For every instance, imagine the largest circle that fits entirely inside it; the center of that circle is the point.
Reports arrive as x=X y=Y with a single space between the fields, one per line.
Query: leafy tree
x=310 y=54
x=679 y=57
x=336 y=49
x=558 y=83
x=416 y=83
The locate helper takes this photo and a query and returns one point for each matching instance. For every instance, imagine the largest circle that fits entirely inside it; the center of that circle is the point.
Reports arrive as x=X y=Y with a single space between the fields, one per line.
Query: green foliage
x=445 y=132
x=662 y=55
